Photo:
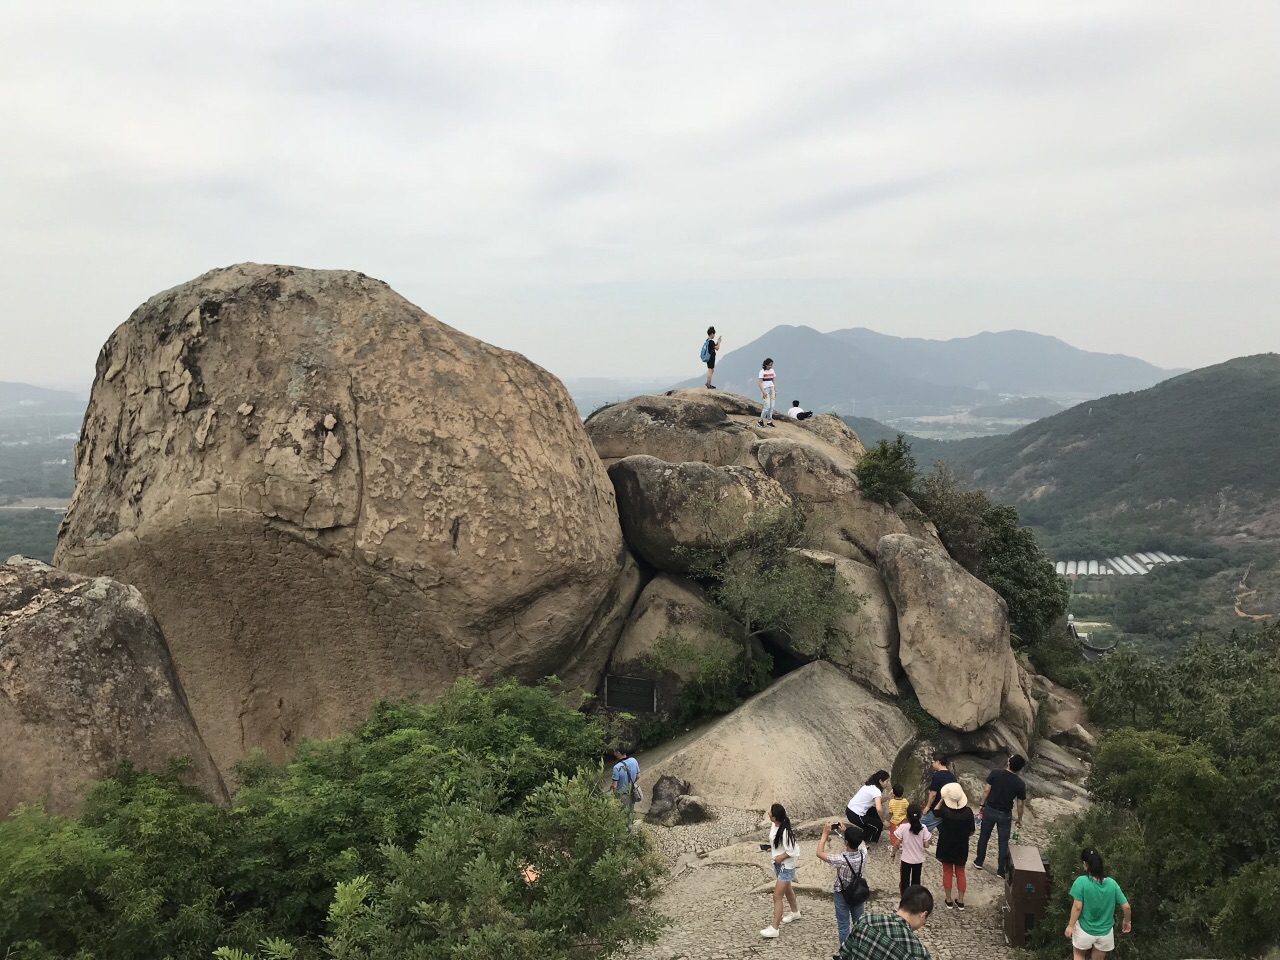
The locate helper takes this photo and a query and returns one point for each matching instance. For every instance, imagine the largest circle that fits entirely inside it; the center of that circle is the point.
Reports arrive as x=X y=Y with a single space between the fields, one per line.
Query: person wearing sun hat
x=955 y=827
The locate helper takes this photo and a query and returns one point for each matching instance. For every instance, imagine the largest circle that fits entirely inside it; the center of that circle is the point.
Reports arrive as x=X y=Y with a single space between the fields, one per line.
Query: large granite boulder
x=87 y=683
x=806 y=742
x=954 y=636
x=871 y=652
x=327 y=495
x=1064 y=713
x=671 y=509
x=841 y=521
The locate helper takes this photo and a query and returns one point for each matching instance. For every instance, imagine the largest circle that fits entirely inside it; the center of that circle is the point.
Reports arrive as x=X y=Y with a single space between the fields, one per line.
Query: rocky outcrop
x=87 y=683
x=326 y=495
x=954 y=637
x=806 y=742
x=841 y=521
x=670 y=509
x=671 y=803
x=1065 y=715
x=870 y=653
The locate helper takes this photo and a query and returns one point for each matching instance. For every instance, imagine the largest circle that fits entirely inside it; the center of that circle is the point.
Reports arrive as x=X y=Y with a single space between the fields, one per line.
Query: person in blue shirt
x=625 y=773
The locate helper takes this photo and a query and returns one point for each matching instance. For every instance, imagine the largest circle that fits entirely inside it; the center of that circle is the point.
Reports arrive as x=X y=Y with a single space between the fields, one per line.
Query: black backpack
x=856 y=891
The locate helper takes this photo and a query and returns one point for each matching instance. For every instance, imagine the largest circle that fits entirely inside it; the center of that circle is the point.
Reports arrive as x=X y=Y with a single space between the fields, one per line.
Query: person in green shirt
x=1091 y=928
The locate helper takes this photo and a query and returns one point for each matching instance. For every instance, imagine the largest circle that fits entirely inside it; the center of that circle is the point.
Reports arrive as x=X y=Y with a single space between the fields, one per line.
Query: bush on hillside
x=428 y=813
x=1186 y=782
x=887 y=472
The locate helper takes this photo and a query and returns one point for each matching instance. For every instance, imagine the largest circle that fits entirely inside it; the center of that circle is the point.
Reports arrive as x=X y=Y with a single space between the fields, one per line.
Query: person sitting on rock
x=798 y=412
x=850 y=862
x=891 y=936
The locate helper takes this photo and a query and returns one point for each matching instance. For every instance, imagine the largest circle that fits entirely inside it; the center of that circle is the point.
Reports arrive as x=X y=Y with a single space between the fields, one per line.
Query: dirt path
x=1243 y=592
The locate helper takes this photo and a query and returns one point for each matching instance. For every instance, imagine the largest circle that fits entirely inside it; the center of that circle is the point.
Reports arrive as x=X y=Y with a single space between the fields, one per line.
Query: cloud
x=588 y=181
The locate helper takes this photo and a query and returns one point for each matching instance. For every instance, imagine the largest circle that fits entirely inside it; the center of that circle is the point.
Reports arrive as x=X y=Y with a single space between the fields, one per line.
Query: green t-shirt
x=1099 y=902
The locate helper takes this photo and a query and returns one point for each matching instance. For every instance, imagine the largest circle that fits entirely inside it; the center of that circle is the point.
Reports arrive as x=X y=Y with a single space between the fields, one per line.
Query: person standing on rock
x=942 y=775
x=784 y=850
x=891 y=936
x=1003 y=789
x=851 y=862
x=955 y=827
x=1095 y=897
x=768 y=391
x=625 y=773
x=913 y=839
x=709 y=350
x=865 y=806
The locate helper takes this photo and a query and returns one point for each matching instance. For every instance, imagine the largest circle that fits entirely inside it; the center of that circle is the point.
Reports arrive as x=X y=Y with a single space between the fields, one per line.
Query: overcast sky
x=592 y=183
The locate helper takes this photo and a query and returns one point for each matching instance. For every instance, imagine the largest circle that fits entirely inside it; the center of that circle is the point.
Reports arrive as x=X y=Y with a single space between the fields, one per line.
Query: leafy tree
x=448 y=804
x=887 y=472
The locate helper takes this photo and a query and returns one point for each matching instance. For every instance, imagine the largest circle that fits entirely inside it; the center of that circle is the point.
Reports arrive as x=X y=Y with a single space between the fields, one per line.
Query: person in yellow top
x=897 y=815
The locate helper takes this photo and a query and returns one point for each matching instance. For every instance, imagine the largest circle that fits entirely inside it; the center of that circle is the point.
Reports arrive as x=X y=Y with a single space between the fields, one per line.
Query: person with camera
x=849 y=890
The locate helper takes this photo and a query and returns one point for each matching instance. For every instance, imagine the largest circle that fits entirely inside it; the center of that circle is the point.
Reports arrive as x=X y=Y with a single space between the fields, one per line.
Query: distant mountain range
x=1195 y=454
x=859 y=371
x=18 y=398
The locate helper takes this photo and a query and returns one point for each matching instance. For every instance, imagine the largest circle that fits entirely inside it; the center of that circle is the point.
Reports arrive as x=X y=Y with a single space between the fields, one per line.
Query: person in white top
x=798 y=412
x=783 y=849
x=768 y=391
x=865 y=806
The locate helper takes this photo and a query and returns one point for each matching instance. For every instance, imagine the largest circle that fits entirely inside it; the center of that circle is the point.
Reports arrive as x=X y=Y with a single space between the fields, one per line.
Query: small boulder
x=87 y=683
x=669 y=509
x=665 y=792
x=690 y=809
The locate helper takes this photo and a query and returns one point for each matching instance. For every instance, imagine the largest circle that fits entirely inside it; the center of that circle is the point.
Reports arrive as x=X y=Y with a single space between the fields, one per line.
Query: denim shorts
x=784 y=873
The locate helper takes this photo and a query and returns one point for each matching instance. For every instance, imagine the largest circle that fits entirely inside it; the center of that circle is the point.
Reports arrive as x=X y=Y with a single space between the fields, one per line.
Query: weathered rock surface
x=669 y=803
x=711 y=426
x=841 y=520
x=871 y=654
x=954 y=635
x=87 y=682
x=806 y=742
x=1064 y=712
x=326 y=495
x=667 y=508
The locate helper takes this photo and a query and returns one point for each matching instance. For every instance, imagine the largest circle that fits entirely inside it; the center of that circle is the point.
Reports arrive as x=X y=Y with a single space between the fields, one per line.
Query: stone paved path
x=718 y=898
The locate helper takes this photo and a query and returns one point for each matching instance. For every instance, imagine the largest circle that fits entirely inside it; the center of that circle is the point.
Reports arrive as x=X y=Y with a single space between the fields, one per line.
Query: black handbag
x=857 y=890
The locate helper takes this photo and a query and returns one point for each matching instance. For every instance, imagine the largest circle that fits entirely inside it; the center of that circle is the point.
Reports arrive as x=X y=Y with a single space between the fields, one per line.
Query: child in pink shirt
x=913 y=837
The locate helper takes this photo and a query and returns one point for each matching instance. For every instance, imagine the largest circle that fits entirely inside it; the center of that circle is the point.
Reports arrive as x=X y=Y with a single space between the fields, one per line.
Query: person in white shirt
x=865 y=806
x=798 y=412
x=768 y=391
x=783 y=849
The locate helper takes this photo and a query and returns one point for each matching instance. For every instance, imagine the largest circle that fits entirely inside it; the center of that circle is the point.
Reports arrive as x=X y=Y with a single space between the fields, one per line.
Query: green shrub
x=887 y=472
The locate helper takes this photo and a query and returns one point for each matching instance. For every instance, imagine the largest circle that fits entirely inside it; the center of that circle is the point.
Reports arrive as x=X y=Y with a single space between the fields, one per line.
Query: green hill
x=1195 y=454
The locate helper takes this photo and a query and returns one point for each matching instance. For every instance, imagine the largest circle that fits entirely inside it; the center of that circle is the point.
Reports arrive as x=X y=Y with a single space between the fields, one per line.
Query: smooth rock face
x=326 y=495
x=87 y=682
x=871 y=654
x=954 y=633
x=841 y=520
x=1065 y=710
x=668 y=508
x=806 y=742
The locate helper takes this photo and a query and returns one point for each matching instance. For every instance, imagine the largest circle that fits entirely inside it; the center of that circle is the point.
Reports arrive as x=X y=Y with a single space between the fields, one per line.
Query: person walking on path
x=1091 y=928
x=709 y=350
x=784 y=850
x=625 y=773
x=913 y=838
x=942 y=775
x=865 y=806
x=768 y=391
x=891 y=936
x=1003 y=789
x=955 y=827
x=897 y=815
x=849 y=863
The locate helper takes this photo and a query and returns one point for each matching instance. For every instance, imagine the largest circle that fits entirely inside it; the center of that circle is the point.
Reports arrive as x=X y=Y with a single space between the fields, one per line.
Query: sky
x=593 y=183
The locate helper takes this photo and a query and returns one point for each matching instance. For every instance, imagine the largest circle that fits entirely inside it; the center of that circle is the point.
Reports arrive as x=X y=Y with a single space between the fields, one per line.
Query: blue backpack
x=706 y=350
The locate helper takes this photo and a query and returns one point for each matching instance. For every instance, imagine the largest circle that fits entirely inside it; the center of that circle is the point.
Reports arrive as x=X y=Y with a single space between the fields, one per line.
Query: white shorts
x=1087 y=941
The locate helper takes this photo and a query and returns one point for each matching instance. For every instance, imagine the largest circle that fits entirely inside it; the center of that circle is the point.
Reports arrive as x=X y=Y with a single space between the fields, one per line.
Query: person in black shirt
x=1003 y=789
x=933 y=803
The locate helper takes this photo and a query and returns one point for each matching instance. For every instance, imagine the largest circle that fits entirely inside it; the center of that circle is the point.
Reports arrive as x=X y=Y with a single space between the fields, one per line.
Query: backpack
x=706 y=350
x=856 y=891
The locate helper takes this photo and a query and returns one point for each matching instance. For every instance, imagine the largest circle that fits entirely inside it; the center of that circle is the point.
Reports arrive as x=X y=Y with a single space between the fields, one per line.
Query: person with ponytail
x=1095 y=897
x=783 y=849
x=865 y=806
x=913 y=837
